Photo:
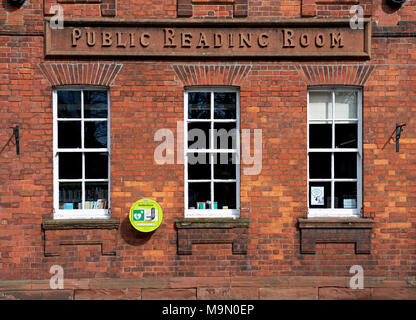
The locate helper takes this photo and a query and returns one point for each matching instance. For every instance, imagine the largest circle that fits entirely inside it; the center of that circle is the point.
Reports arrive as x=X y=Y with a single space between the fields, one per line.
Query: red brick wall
x=273 y=98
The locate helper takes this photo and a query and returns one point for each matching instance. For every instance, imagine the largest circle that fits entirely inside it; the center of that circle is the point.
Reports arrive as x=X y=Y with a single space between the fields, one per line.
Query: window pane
x=320 y=136
x=199 y=166
x=225 y=105
x=225 y=165
x=70 y=195
x=199 y=105
x=69 y=104
x=70 y=165
x=320 y=165
x=199 y=195
x=96 y=165
x=198 y=135
x=95 y=134
x=346 y=105
x=346 y=195
x=95 y=104
x=319 y=194
x=69 y=134
x=225 y=135
x=345 y=165
x=225 y=195
x=346 y=135
x=320 y=105
x=96 y=195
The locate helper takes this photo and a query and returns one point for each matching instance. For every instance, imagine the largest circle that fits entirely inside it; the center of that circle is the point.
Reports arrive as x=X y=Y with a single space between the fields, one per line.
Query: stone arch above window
x=100 y=74
x=354 y=75
x=210 y=75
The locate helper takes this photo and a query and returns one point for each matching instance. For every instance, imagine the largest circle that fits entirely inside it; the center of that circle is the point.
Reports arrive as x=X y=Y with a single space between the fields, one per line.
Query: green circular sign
x=145 y=215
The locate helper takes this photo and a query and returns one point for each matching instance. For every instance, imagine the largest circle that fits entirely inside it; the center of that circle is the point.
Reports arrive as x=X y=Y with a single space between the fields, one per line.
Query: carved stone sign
x=184 y=38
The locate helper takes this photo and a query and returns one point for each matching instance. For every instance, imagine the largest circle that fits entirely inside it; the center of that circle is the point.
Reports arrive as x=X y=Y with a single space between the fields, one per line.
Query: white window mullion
x=79 y=213
x=82 y=148
x=332 y=154
x=336 y=210
x=211 y=153
x=212 y=147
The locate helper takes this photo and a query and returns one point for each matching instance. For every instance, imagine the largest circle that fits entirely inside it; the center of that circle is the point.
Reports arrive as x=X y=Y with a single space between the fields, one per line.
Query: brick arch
x=100 y=74
x=204 y=75
x=354 y=75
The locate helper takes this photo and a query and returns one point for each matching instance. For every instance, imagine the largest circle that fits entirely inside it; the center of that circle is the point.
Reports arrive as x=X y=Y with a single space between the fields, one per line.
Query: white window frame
x=78 y=213
x=337 y=212
x=212 y=213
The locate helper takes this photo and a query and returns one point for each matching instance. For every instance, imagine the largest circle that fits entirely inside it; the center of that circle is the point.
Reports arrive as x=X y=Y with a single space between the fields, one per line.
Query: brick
x=393 y=293
x=106 y=294
x=344 y=294
x=240 y=293
x=288 y=293
x=169 y=294
x=37 y=295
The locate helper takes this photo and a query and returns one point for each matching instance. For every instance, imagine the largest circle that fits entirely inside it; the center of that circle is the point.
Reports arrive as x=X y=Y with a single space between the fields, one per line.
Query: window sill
x=210 y=223
x=335 y=230
x=67 y=224
x=216 y=231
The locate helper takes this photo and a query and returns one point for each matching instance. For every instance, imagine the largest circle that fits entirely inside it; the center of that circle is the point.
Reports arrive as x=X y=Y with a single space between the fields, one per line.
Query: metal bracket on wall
x=17 y=138
x=399 y=129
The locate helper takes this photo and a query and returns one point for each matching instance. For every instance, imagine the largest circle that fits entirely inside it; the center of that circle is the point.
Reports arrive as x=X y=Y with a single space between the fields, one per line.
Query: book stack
x=99 y=204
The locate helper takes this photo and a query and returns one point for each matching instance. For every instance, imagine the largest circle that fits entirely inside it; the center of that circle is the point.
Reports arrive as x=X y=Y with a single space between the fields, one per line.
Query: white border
x=212 y=213
x=338 y=212
x=78 y=213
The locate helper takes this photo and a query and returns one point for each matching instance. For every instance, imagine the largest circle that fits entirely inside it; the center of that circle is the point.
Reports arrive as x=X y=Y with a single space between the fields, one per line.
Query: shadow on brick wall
x=133 y=236
x=388 y=8
x=8 y=7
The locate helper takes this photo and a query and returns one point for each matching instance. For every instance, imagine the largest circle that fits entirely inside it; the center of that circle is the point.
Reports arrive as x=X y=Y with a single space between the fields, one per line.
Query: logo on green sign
x=145 y=215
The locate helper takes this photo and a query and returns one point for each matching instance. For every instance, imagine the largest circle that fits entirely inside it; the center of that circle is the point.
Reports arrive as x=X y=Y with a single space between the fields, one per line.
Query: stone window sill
x=68 y=224
x=209 y=223
x=216 y=231
x=335 y=230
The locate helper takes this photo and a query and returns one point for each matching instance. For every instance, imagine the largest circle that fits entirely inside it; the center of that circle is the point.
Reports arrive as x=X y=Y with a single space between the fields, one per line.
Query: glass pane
x=199 y=195
x=319 y=165
x=225 y=105
x=320 y=136
x=319 y=194
x=346 y=195
x=95 y=104
x=198 y=135
x=199 y=105
x=199 y=166
x=96 y=195
x=70 y=165
x=320 y=105
x=225 y=195
x=346 y=135
x=225 y=135
x=95 y=134
x=70 y=195
x=69 y=104
x=345 y=165
x=96 y=165
x=225 y=165
x=346 y=105
x=69 y=134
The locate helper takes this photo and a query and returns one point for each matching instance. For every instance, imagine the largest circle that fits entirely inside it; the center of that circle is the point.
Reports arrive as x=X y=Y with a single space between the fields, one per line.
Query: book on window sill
x=99 y=204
